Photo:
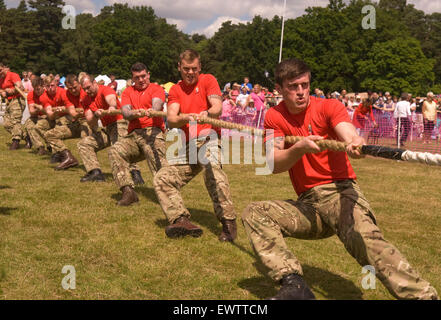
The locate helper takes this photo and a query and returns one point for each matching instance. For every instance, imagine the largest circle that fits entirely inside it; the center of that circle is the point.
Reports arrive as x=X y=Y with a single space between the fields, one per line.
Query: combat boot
x=293 y=288
x=129 y=196
x=28 y=142
x=182 y=227
x=229 y=230
x=41 y=151
x=137 y=178
x=15 y=144
x=67 y=161
x=93 y=175
x=56 y=157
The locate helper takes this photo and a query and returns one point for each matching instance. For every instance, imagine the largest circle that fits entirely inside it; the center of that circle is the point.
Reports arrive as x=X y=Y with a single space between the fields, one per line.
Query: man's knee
x=250 y=213
x=164 y=177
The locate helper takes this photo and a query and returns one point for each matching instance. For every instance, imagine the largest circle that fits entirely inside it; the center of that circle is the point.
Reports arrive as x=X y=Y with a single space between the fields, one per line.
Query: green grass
x=48 y=219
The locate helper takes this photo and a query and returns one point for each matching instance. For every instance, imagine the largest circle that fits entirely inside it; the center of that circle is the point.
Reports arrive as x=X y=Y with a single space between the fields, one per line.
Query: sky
x=206 y=16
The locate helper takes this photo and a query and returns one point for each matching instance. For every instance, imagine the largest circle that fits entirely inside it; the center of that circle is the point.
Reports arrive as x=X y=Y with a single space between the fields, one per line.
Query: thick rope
x=333 y=145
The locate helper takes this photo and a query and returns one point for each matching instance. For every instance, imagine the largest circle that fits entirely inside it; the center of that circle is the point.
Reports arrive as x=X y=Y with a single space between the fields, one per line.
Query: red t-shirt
x=113 y=85
x=313 y=169
x=58 y=100
x=143 y=100
x=99 y=102
x=34 y=99
x=8 y=82
x=360 y=115
x=77 y=101
x=194 y=99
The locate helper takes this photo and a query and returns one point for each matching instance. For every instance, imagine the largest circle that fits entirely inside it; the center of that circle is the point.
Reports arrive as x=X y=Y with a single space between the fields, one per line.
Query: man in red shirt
x=113 y=84
x=100 y=98
x=145 y=139
x=330 y=200
x=38 y=123
x=196 y=95
x=67 y=122
x=16 y=104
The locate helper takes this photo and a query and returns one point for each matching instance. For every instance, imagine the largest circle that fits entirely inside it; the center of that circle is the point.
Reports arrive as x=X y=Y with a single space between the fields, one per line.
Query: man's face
x=52 y=88
x=39 y=90
x=246 y=80
x=3 y=71
x=190 y=71
x=141 y=79
x=295 y=92
x=112 y=78
x=90 y=87
x=74 y=88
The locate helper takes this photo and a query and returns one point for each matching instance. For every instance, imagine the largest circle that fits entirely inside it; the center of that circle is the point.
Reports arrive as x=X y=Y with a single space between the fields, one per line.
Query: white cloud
x=83 y=6
x=212 y=28
x=428 y=6
x=180 y=24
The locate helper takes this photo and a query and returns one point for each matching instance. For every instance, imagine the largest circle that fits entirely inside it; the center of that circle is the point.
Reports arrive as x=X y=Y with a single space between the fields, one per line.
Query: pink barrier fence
x=411 y=131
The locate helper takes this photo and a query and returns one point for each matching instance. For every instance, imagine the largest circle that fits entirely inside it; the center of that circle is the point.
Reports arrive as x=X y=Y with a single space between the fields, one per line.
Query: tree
x=397 y=66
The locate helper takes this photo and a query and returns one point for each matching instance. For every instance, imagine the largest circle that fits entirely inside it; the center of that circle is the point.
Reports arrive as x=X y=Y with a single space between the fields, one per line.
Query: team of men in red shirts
x=329 y=199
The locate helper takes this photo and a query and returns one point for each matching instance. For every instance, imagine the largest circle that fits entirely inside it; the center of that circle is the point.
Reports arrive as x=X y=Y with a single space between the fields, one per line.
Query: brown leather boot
x=182 y=227
x=67 y=161
x=41 y=151
x=229 y=230
x=129 y=196
x=15 y=144
x=56 y=157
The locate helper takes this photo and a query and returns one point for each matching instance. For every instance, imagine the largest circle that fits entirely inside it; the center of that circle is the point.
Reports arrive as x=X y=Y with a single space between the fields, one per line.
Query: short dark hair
x=189 y=55
x=37 y=82
x=71 y=78
x=138 y=67
x=404 y=96
x=289 y=69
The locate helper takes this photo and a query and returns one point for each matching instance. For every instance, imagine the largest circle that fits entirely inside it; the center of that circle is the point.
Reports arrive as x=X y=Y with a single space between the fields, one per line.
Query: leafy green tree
x=397 y=66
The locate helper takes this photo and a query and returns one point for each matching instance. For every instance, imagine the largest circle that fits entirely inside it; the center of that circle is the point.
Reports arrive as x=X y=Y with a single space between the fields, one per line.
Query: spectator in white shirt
x=402 y=115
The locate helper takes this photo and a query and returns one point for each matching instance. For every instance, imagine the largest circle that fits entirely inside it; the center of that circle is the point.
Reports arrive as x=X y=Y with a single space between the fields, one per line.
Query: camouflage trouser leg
x=39 y=131
x=123 y=127
x=13 y=116
x=61 y=132
x=169 y=181
x=90 y=145
x=147 y=143
x=336 y=207
x=29 y=128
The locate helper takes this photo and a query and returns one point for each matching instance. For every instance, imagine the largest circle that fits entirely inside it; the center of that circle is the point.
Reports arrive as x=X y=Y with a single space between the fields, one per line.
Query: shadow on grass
x=5 y=187
x=147 y=192
x=6 y=211
x=329 y=285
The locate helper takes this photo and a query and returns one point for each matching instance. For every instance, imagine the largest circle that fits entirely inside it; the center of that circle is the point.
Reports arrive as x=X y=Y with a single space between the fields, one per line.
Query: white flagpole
x=283 y=27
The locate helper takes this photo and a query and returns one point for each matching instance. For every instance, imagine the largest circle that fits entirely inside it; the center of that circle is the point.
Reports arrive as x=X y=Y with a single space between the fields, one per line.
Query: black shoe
x=93 y=175
x=294 y=288
x=28 y=142
x=137 y=178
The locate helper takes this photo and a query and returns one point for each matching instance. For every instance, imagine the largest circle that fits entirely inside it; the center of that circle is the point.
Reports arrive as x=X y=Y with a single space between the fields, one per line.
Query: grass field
x=48 y=219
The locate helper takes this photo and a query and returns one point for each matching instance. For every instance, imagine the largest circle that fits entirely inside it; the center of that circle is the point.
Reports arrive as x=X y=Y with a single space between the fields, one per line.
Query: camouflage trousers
x=66 y=129
x=169 y=181
x=12 y=118
x=35 y=129
x=99 y=140
x=147 y=143
x=336 y=208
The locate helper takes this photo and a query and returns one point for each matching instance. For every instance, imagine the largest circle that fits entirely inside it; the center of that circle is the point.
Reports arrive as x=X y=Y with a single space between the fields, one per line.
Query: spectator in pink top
x=258 y=96
x=27 y=82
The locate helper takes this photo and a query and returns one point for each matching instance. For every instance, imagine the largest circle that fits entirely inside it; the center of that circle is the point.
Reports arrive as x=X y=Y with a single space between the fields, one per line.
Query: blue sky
x=206 y=16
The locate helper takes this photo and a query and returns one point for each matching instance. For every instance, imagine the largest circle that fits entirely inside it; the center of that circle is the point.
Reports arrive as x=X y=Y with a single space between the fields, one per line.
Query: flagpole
x=283 y=27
